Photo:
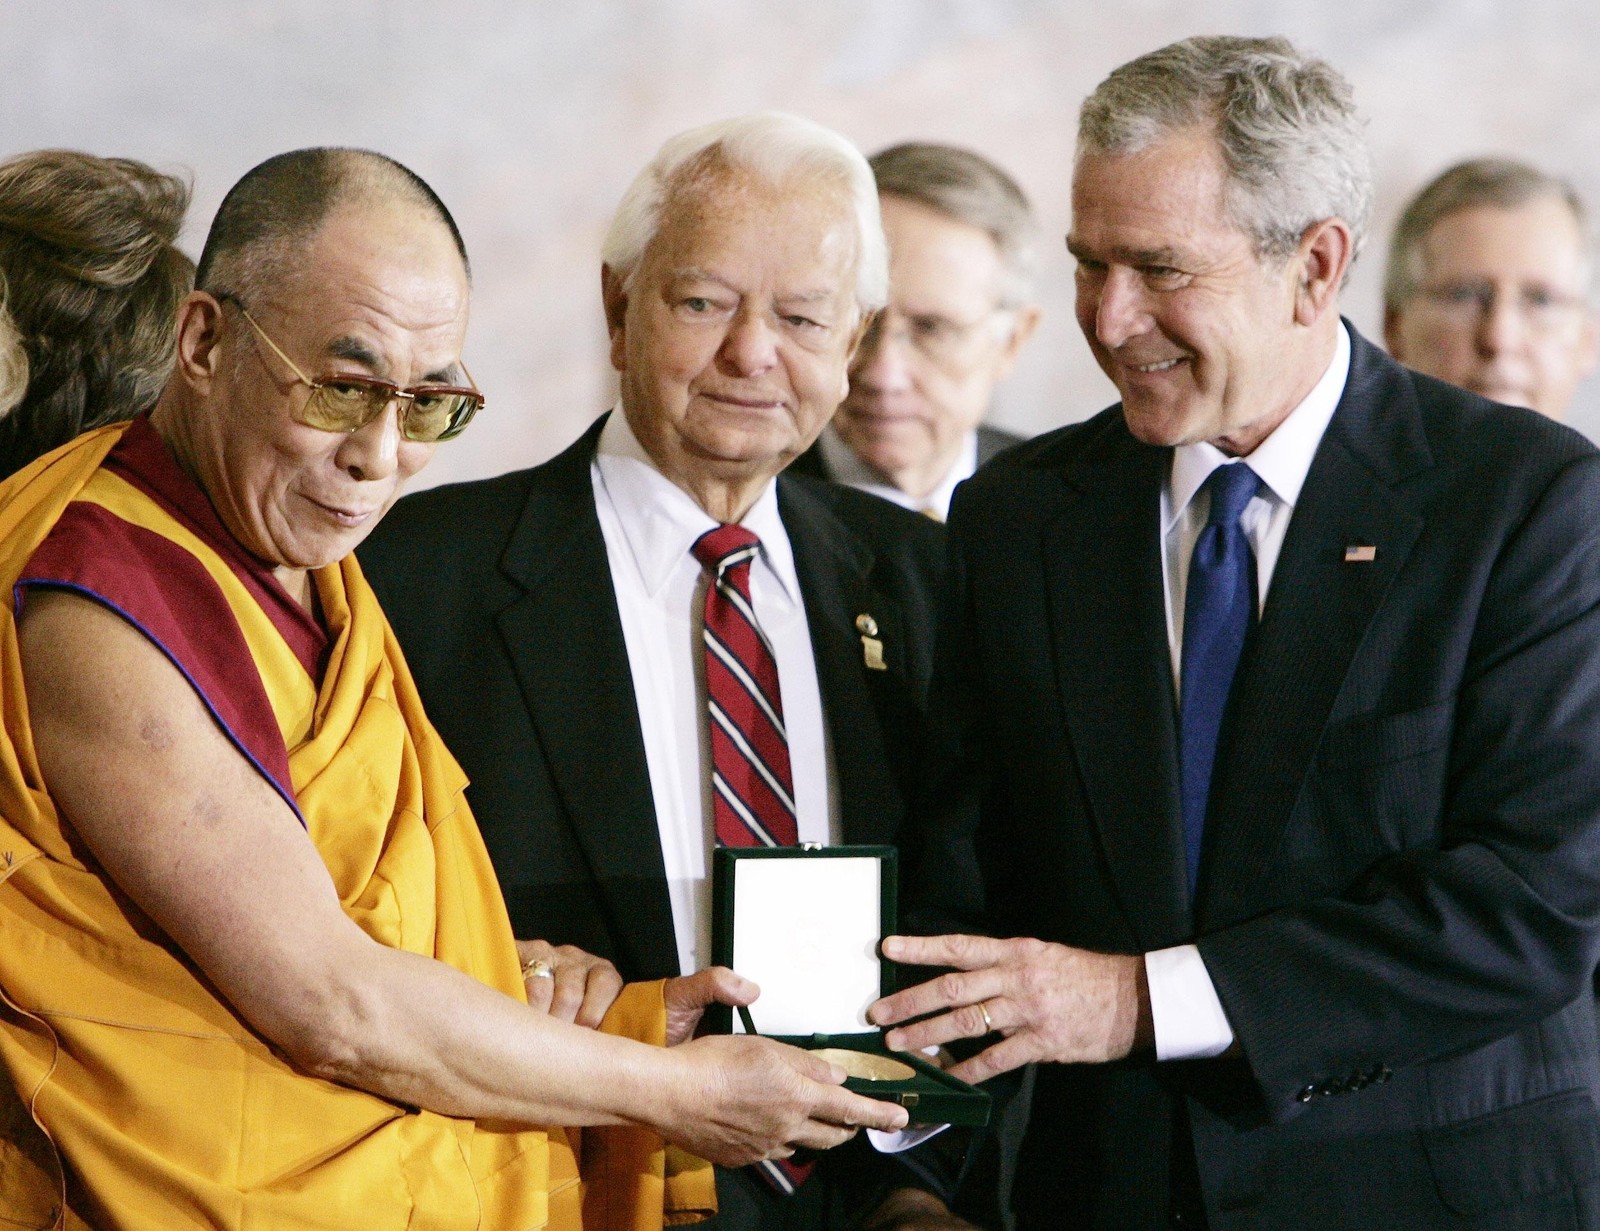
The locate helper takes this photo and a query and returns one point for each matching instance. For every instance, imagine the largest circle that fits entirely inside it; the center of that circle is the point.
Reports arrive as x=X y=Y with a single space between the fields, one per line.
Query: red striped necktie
x=752 y=786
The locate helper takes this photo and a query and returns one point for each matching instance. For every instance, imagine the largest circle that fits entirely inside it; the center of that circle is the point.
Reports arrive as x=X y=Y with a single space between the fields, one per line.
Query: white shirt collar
x=845 y=466
x=661 y=521
x=1283 y=459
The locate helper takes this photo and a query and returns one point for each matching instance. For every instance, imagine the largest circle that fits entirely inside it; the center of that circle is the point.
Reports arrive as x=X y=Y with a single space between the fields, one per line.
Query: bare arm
x=200 y=842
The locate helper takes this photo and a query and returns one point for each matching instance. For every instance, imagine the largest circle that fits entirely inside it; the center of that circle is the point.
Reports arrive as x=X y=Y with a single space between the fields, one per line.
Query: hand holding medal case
x=804 y=923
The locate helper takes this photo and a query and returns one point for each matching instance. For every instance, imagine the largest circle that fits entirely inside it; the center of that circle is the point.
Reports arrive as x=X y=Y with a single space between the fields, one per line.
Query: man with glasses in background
x=256 y=968
x=1489 y=285
x=962 y=250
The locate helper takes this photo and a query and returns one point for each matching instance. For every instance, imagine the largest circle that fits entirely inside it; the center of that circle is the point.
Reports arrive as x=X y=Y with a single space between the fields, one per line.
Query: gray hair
x=1286 y=122
x=775 y=147
x=967 y=188
x=1502 y=183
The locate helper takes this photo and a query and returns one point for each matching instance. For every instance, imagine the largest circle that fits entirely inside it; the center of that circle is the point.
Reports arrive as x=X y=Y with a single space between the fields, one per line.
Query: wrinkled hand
x=581 y=987
x=745 y=1098
x=1050 y=1002
x=688 y=997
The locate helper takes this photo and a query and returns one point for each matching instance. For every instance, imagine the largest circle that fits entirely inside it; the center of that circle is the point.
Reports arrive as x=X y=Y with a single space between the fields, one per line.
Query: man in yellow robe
x=254 y=967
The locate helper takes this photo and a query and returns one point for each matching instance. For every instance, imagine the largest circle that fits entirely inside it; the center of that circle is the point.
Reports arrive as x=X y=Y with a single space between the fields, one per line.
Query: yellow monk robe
x=138 y=1098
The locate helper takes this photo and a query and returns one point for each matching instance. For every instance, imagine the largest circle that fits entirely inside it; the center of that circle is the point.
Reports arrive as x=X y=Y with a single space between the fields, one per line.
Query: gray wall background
x=530 y=117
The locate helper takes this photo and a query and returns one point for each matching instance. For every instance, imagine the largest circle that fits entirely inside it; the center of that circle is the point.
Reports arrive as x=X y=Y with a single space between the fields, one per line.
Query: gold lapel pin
x=1360 y=553
x=871 y=647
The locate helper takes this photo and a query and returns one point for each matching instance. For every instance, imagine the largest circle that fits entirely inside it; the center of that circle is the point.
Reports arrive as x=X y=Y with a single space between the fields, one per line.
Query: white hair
x=777 y=148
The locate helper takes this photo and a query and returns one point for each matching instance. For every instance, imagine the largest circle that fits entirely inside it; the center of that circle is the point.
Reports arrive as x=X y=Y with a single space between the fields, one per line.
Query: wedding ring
x=536 y=968
x=988 y=1026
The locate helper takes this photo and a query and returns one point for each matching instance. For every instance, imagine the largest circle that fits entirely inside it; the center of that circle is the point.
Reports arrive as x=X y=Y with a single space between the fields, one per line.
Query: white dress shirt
x=1188 y=1016
x=844 y=466
x=649 y=525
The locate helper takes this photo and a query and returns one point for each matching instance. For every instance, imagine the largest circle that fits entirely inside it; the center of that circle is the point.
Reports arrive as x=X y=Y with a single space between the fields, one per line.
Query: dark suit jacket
x=1400 y=887
x=991 y=440
x=501 y=596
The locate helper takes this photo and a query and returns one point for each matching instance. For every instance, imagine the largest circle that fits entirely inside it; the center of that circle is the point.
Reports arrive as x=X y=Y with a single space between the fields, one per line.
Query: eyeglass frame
x=1477 y=298
x=406 y=395
x=876 y=333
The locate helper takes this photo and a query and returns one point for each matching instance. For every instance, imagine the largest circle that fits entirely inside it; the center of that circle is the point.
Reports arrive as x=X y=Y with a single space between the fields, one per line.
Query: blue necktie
x=1219 y=608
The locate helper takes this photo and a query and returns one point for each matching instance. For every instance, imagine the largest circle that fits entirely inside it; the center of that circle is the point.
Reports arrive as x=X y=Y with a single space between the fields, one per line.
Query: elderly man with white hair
x=653 y=643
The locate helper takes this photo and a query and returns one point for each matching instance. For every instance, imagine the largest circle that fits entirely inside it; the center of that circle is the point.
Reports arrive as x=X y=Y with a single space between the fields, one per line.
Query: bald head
x=279 y=204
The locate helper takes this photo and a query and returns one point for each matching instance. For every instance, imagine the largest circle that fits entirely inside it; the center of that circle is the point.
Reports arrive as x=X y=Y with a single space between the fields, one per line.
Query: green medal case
x=805 y=923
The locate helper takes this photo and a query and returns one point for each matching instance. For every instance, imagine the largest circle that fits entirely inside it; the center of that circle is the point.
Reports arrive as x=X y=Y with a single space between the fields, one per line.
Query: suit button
x=1306 y=1094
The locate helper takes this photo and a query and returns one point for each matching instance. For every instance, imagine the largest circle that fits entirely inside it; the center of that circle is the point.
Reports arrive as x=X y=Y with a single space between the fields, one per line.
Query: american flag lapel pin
x=1360 y=553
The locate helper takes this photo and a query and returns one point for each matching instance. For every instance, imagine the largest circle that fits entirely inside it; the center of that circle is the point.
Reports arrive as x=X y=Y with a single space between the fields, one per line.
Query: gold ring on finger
x=988 y=1025
x=536 y=968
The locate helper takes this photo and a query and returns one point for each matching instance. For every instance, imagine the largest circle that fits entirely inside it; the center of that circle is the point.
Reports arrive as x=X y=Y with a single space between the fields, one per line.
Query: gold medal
x=865 y=1065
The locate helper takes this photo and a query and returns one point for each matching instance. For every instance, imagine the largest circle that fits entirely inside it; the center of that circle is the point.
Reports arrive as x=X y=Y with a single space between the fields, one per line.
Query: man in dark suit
x=566 y=624
x=962 y=250
x=1281 y=684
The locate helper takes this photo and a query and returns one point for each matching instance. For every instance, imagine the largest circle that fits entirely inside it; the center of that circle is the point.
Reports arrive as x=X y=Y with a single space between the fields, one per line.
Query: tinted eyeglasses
x=347 y=402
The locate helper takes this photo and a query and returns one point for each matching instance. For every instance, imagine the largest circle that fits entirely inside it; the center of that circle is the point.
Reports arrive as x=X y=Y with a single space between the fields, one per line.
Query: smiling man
x=653 y=643
x=255 y=967
x=962 y=249
x=1490 y=285
x=1278 y=684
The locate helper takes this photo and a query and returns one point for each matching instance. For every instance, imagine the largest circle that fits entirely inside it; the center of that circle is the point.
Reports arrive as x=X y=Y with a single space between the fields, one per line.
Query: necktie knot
x=1231 y=488
x=727 y=545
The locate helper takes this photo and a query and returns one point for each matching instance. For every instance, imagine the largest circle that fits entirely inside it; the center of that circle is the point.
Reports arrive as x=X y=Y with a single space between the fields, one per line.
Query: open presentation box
x=804 y=923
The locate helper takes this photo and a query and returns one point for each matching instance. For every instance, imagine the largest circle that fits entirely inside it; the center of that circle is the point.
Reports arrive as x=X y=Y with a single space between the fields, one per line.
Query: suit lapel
x=835 y=570
x=1108 y=627
x=1317 y=611
x=564 y=639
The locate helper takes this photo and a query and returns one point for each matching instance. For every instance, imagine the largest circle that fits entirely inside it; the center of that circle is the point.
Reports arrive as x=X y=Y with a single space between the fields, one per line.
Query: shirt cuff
x=1189 y=1021
x=901 y=1140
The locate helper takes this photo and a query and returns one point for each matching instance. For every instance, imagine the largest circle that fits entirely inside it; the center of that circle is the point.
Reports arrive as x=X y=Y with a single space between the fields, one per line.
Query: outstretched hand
x=1046 y=1001
x=745 y=1098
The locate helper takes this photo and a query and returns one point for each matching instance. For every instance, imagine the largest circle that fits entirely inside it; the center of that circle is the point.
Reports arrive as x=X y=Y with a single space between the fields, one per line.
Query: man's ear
x=856 y=338
x=1392 y=337
x=199 y=329
x=1323 y=258
x=1589 y=343
x=1025 y=321
x=614 y=295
